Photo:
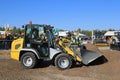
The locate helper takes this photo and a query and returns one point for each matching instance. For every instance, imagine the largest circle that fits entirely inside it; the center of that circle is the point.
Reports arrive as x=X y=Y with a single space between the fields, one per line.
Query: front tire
x=28 y=60
x=63 y=61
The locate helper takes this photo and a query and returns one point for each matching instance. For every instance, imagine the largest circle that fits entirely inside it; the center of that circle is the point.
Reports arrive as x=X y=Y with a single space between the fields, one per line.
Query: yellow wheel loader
x=115 y=41
x=39 y=43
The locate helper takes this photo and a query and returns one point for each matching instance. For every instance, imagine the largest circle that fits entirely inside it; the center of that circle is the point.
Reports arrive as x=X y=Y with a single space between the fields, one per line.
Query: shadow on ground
x=43 y=64
x=101 y=60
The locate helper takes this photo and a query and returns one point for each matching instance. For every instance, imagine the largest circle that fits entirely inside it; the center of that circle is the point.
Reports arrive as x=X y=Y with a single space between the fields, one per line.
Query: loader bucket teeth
x=89 y=56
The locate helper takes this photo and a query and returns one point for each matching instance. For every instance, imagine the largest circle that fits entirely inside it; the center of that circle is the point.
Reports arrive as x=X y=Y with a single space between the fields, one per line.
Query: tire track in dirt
x=12 y=70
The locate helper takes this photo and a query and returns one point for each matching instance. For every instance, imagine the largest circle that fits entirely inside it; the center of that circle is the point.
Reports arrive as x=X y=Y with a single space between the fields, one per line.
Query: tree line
x=89 y=32
x=14 y=29
x=86 y=32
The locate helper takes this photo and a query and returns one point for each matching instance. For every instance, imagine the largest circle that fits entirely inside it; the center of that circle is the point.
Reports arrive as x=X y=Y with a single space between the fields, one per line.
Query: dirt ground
x=110 y=70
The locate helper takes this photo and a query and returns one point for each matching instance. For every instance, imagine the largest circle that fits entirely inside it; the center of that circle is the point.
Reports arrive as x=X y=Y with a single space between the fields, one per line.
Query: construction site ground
x=110 y=70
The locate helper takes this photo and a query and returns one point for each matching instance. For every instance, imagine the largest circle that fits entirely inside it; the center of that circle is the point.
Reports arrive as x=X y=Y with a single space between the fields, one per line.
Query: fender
x=54 y=52
x=31 y=50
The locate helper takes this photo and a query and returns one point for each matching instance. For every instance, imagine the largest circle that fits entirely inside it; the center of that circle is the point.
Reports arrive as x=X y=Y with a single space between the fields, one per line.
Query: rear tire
x=113 y=41
x=63 y=61
x=28 y=60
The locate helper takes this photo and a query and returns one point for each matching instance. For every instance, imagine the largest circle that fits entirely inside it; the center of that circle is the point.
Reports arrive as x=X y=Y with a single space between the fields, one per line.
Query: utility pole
x=93 y=36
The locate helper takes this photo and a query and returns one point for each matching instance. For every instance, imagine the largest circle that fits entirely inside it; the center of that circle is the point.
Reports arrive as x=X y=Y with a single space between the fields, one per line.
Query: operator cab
x=39 y=38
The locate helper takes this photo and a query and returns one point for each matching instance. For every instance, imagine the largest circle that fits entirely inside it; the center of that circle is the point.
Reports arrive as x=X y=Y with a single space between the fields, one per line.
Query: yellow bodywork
x=111 y=38
x=69 y=51
x=16 y=46
x=66 y=40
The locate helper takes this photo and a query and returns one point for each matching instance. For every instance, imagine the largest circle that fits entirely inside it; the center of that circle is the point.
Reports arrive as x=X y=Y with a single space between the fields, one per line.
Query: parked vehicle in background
x=113 y=37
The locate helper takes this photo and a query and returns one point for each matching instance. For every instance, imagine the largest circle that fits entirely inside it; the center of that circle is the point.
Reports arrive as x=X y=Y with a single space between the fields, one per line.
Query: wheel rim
x=63 y=62
x=27 y=61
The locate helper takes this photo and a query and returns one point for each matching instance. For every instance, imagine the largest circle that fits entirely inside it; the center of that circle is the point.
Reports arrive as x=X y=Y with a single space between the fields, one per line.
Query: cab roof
x=43 y=25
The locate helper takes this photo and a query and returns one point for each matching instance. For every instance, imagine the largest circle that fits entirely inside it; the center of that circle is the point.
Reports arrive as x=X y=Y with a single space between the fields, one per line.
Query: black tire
x=28 y=60
x=83 y=47
x=113 y=41
x=63 y=61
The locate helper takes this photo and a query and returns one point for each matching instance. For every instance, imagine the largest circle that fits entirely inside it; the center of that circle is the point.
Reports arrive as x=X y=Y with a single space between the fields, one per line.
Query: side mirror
x=23 y=26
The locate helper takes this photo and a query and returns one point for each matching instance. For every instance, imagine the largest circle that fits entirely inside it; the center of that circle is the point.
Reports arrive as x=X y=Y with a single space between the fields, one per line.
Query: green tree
x=86 y=32
x=2 y=28
x=103 y=32
x=14 y=29
x=18 y=30
x=111 y=29
x=78 y=30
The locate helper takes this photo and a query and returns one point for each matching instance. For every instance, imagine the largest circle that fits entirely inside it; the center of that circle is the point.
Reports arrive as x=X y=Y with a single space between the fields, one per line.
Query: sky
x=62 y=14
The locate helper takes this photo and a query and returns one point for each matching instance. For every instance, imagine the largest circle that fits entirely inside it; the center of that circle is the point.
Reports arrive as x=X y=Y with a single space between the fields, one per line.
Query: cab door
x=41 y=43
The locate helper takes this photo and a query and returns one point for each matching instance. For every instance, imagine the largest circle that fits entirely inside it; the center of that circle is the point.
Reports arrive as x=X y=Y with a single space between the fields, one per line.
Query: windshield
x=34 y=31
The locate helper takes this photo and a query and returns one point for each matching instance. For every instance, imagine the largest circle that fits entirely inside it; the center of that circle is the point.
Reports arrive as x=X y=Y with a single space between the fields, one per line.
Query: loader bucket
x=89 y=56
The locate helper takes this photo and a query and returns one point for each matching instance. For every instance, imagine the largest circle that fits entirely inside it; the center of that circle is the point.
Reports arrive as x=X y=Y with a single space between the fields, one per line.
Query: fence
x=5 y=44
